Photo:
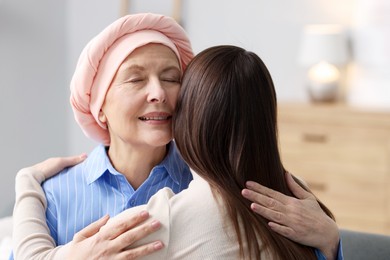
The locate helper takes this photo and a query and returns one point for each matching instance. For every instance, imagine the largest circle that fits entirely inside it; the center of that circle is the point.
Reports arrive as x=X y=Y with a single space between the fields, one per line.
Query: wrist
x=331 y=245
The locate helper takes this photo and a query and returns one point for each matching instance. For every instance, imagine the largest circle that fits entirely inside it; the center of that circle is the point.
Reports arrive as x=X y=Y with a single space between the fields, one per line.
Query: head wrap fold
x=103 y=55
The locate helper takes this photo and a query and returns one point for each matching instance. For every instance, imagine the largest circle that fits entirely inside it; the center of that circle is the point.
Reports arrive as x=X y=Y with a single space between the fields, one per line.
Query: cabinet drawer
x=346 y=167
x=348 y=149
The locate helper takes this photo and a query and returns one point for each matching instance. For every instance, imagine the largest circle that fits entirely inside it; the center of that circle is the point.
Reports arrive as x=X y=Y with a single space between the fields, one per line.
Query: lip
x=156 y=117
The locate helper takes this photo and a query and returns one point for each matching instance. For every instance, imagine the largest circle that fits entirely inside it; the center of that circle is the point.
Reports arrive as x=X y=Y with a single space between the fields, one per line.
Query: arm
x=300 y=219
x=31 y=237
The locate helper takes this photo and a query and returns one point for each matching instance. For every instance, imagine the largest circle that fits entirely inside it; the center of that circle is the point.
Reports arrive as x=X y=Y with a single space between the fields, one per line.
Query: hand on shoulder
x=48 y=168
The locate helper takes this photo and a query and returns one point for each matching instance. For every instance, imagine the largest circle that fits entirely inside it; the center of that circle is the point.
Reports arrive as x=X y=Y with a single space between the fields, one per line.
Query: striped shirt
x=80 y=195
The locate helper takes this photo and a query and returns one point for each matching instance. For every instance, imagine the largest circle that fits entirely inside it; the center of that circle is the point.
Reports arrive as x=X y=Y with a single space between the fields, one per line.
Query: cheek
x=120 y=110
x=128 y=101
x=173 y=95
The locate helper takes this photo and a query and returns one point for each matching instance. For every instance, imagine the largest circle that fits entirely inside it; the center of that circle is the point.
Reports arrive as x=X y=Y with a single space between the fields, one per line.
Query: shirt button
x=132 y=202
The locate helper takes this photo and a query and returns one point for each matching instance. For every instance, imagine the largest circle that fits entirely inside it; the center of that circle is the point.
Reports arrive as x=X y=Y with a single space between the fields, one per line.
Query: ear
x=102 y=117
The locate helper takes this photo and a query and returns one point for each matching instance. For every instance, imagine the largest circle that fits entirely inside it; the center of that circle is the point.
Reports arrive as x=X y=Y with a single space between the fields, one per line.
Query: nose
x=156 y=92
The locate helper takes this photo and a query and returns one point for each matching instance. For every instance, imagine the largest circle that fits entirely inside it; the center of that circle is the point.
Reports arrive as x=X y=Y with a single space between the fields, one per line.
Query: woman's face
x=142 y=97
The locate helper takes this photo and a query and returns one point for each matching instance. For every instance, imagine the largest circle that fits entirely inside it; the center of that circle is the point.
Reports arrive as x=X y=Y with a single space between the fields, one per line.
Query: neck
x=135 y=163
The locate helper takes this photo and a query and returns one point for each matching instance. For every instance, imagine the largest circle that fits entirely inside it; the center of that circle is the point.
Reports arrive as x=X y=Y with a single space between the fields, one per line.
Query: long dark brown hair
x=225 y=127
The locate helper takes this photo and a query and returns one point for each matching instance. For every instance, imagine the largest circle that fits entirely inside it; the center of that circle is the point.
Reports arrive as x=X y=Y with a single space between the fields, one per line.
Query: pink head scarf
x=103 y=55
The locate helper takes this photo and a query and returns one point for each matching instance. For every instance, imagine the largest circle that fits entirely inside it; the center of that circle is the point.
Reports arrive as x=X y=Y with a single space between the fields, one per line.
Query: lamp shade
x=323 y=42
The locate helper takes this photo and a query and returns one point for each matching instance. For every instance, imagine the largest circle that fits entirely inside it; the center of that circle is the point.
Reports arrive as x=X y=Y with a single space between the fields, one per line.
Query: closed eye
x=171 y=75
x=134 y=80
x=172 y=80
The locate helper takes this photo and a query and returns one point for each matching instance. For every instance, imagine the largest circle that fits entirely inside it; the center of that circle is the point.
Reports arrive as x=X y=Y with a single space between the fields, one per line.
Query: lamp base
x=323 y=82
x=323 y=92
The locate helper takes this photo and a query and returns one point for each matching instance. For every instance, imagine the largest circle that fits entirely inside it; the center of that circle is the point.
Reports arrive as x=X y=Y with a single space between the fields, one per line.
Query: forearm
x=32 y=240
x=31 y=235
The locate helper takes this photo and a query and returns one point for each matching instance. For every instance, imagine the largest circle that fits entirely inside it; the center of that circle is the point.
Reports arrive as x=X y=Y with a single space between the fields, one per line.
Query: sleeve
x=31 y=237
x=340 y=256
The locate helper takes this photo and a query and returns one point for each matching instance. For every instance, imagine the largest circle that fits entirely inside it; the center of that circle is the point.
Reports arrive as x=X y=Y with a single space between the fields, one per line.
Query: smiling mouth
x=155 y=118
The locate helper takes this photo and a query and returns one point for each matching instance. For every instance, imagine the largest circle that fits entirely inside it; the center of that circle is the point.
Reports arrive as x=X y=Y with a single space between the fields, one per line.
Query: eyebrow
x=171 y=68
x=140 y=68
x=132 y=67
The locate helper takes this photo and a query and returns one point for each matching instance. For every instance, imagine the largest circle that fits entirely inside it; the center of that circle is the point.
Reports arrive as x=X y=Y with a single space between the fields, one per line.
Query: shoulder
x=158 y=209
x=64 y=183
x=185 y=206
x=207 y=230
x=78 y=171
x=191 y=201
x=65 y=174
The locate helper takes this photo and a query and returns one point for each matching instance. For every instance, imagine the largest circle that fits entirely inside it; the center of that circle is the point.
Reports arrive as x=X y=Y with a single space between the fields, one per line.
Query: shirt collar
x=174 y=163
x=98 y=163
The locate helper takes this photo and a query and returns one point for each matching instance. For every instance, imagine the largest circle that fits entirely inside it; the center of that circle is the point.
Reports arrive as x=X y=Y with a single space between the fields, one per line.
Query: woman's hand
x=102 y=240
x=52 y=166
x=300 y=219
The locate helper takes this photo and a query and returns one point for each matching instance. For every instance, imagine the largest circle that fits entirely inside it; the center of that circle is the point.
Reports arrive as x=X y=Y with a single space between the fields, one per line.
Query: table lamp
x=324 y=52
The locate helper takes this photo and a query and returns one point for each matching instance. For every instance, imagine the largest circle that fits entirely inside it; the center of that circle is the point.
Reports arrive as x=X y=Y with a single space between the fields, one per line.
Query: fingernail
x=245 y=192
x=253 y=206
x=249 y=184
x=155 y=224
x=158 y=245
x=83 y=156
x=144 y=213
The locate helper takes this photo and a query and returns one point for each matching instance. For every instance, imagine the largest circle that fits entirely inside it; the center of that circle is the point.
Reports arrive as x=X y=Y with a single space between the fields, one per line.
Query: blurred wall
x=272 y=29
x=40 y=42
x=32 y=88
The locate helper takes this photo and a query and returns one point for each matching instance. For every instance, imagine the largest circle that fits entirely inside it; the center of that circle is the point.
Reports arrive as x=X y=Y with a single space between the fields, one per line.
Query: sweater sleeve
x=31 y=236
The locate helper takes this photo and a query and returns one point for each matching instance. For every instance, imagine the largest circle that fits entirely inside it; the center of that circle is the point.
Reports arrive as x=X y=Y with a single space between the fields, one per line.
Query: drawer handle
x=315 y=138
x=317 y=186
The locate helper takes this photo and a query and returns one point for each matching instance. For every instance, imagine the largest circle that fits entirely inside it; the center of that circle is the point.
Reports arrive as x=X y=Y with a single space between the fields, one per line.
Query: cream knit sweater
x=193 y=225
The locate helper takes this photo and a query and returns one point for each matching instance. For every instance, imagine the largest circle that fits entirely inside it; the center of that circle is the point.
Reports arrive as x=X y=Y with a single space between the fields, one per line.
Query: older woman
x=124 y=95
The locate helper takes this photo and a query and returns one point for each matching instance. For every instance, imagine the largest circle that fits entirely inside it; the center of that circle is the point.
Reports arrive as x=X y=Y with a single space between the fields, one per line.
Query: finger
x=282 y=230
x=269 y=214
x=261 y=199
x=123 y=222
x=130 y=237
x=54 y=165
x=254 y=186
x=73 y=160
x=91 y=229
x=143 y=250
x=295 y=188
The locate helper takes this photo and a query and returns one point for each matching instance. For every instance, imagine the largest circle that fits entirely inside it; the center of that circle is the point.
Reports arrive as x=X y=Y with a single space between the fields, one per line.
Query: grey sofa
x=365 y=246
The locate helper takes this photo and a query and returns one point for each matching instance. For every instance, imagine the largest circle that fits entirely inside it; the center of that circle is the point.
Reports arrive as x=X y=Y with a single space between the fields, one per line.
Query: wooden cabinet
x=343 y=154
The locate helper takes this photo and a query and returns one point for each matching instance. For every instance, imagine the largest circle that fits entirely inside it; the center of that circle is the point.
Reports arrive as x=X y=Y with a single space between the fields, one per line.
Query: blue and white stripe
x=86 y=192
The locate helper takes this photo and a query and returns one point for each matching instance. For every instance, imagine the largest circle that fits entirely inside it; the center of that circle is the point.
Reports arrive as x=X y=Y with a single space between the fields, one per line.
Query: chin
x=159 y=140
